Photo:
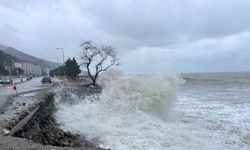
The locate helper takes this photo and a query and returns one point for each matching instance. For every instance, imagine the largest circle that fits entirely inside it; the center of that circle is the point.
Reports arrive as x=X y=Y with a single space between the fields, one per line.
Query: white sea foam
x=133 y=113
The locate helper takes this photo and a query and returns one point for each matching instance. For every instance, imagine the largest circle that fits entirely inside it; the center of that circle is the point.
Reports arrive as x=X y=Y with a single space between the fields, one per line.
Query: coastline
x=51 y=129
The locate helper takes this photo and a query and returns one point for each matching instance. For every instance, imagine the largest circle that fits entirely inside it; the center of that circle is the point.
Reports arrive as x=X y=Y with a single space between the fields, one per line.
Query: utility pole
x=57 y=59
x=63 y=59
x=62 y=53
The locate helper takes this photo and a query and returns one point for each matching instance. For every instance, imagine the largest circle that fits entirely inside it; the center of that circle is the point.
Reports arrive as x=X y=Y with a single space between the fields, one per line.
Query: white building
x=29 y=68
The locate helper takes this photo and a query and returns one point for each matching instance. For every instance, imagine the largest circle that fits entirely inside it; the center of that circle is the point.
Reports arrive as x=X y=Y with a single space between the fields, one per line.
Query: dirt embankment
x=36 y=128
x=42 y=128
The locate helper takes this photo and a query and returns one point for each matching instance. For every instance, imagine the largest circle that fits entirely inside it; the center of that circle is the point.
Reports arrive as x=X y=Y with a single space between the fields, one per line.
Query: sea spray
x=130 y=113
x=151 y=94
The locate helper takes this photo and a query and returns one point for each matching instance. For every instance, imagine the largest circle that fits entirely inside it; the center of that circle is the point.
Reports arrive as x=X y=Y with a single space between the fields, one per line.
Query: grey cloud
x=221 y=54
x=156 y=23
x=10 y=28
x=153 y=33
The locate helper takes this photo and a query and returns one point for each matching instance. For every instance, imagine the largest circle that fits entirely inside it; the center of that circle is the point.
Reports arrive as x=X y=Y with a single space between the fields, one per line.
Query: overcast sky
x=150 y=35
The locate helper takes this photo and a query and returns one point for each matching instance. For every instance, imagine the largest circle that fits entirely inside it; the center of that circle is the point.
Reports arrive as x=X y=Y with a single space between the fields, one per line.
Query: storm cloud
x=154 y=35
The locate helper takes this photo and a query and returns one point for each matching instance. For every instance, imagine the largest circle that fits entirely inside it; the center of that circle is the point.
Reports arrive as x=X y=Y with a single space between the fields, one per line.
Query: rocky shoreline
x=41 y=129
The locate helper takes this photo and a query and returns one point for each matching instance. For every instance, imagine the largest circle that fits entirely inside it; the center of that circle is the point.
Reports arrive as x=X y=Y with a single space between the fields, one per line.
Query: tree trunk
x=94 y=82
x=90 y=75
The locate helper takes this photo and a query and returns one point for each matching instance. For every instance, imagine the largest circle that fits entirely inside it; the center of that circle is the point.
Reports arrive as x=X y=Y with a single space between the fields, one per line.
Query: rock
x=11 y=148
x=23 y=104
x=71 y=144
x=42 y=128
x=65 y=143
x=6 y=132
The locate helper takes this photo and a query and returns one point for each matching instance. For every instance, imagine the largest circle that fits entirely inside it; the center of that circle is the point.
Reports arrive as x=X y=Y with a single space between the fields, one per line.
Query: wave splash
x=127 y=108
x=151 y=94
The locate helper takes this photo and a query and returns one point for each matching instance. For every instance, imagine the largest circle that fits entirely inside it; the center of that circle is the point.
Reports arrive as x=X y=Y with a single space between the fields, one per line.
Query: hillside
x=26 y=57
x=2 y=46
x=5 y=60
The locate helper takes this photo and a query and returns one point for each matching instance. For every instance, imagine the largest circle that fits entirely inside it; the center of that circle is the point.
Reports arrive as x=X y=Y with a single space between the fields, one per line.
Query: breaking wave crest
x=119 y=116
x=151 y=94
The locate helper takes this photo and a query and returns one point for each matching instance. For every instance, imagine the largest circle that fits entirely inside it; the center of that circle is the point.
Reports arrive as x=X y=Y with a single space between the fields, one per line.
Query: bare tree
x=97 y=58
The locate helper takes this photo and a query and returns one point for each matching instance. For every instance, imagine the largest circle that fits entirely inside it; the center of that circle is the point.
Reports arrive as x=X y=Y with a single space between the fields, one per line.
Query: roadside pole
x=63 y=59
x=16 y=92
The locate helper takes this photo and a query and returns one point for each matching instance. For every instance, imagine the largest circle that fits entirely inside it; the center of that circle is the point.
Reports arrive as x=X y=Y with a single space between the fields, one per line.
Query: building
x=30 y=68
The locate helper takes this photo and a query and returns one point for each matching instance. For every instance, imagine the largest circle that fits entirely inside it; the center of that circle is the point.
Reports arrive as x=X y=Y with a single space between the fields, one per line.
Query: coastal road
x=34 y=84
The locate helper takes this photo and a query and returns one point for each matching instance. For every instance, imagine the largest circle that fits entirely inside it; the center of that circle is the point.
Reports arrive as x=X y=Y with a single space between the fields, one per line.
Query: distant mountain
x=26 y=57
x=2 y=47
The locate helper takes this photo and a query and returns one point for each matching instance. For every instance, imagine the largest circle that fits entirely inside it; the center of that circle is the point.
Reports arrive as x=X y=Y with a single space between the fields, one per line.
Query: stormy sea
x=200 y=111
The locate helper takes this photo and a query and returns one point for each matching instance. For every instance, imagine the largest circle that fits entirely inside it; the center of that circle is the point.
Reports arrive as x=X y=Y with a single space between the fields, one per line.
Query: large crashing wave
x=151 y=94
x=125 y=103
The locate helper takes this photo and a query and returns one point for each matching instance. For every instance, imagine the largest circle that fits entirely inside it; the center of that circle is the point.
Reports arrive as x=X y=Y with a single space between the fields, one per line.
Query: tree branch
x=98 y=55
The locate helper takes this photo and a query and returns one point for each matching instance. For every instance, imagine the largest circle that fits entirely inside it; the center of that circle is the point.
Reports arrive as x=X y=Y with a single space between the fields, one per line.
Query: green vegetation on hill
x=5 y=60
x=6 y=65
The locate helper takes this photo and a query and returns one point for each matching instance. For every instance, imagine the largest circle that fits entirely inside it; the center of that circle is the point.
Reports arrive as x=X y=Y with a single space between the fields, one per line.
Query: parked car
x=29 y=78
x=6 y=80
x=46 y=80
